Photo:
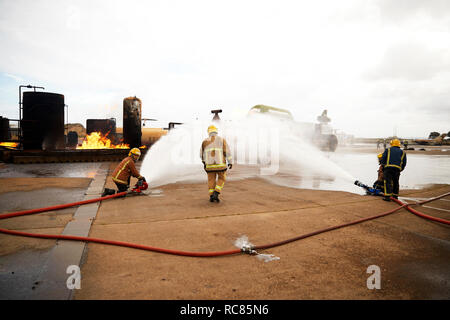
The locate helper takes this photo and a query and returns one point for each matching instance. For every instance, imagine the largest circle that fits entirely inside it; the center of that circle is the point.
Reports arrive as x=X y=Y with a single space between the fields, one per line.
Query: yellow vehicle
x=320 y=134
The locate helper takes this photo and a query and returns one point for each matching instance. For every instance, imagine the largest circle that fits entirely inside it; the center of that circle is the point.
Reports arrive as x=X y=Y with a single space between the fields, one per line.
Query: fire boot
x=108 y=192
x=211 y=198
x=216 y=196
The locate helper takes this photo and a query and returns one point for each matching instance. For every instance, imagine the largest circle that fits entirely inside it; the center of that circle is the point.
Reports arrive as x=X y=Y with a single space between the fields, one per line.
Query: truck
x=321 y=134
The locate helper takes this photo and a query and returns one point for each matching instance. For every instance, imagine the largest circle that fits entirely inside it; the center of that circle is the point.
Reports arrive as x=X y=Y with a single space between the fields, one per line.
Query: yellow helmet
x=212 y=129
x=134 y=151
x=395 y=143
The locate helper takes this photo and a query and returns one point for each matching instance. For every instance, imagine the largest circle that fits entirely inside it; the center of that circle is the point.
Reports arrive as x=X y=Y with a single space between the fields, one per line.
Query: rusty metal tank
x=105 y=126
x=132 y=114
x=4 y=129
x=43 y=120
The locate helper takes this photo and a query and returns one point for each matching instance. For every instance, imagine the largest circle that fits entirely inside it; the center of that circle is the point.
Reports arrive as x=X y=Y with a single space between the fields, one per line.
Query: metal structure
x=173 y=124
x=4 y=130
x=43 y=121
x=216 y=114
x=107 y=127
x=58 y=156
x=72 y=139
x=20 y=132
x=132 y=131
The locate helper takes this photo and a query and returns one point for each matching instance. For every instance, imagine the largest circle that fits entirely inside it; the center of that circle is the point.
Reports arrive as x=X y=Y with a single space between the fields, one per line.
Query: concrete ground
x=412 y=253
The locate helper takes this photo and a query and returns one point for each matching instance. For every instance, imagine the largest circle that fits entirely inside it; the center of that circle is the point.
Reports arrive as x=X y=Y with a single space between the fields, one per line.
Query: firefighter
x=123 y=172
x=394 y=162
x=379 y=183
x=215 y=155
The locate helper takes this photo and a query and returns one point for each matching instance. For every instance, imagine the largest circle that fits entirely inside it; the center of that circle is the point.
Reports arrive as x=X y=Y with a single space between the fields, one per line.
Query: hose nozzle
x=248 y=249
x=359 y=184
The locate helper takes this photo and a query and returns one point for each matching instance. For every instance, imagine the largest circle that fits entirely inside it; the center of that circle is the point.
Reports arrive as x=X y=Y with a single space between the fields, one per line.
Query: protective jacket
x=215 y=154
x=124 y=170
x=394 y=157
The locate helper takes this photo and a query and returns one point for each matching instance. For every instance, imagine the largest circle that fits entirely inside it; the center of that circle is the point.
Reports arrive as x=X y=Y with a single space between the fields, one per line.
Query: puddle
x=267 y=257
x=420 y=171
x=156 y=193
x=14 y=201
x=64 y=170
x=19 y=271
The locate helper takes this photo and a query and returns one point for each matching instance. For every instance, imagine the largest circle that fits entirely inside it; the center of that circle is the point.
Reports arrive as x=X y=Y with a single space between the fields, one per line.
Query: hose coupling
x=248 y=249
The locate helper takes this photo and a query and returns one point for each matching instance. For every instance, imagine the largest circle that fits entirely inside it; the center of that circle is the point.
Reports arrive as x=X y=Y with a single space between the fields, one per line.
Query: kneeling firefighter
x=123 y=172
x=379 y=183
x=215 y=154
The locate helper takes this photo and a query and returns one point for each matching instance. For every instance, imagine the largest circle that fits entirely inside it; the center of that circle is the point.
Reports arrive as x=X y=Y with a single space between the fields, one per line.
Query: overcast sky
x=379 y=67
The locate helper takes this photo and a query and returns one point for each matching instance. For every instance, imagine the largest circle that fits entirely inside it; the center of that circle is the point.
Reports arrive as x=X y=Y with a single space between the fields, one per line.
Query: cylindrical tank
x=4 y=129
x=43 y=120
x=106 y=126
x=132 y=132
x=72 y=139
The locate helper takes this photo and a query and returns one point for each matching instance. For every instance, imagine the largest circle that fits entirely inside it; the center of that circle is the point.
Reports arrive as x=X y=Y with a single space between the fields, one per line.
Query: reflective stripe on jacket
x=124 y=170
x=215 y=153
x=394 y=157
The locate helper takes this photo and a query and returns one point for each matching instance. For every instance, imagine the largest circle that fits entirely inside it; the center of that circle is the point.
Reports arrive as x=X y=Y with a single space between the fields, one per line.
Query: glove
x=143 y=179
x=230 y=166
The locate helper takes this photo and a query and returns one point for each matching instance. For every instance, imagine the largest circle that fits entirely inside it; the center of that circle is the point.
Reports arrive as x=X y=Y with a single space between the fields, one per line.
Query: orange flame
x=96 y=140
x=9 y=144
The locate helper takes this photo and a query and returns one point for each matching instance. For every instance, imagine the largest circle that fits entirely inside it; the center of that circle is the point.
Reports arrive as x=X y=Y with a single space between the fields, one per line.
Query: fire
x=96 y=140
x=9 y=144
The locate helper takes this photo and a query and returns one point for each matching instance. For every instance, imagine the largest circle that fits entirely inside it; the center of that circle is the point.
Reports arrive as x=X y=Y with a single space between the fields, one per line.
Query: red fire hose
x=420 y=214
x=59 y=207
x=187 y=253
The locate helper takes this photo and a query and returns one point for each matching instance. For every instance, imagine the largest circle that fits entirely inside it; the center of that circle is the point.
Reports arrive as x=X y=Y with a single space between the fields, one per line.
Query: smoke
x=279 y=151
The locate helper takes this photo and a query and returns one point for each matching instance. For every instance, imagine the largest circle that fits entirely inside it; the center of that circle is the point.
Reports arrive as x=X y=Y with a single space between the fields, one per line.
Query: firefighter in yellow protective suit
x=215 y=155
x=123 y=172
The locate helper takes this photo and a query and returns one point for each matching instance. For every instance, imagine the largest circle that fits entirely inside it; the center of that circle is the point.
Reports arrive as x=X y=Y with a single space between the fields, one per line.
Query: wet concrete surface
x=421 y=170
x=14 y=201
x=22 y=259
x=69 y=170
x=19 y=271
x=412 y=253
x=327 y=266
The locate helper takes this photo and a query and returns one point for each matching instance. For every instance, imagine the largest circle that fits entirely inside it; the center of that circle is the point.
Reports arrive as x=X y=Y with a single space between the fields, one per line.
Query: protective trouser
x=212 y=185
x=391 y=177
x=122 y=187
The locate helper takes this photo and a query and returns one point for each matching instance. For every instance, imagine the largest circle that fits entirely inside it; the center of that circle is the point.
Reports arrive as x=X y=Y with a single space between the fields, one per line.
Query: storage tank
x=72 y=139
x=107 y=127
x=132 y=133
x=43 y=120
x=4 y=129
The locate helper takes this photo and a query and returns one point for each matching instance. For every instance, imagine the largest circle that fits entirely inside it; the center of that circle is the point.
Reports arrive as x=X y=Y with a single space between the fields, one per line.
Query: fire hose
x=245 y=249
x=422 y=215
